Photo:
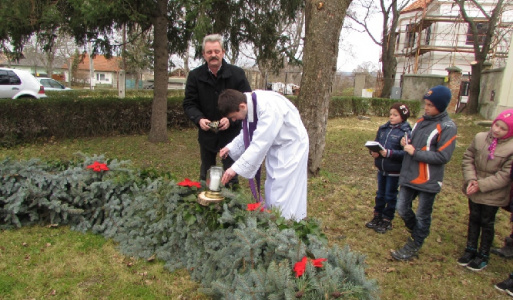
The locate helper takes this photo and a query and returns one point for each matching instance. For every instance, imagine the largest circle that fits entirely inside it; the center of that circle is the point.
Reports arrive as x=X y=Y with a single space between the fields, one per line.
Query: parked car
x=52 y=84
x=16 y=84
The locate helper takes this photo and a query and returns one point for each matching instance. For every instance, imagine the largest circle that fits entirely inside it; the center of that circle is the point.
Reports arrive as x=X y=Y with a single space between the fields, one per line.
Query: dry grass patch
x=81 y=266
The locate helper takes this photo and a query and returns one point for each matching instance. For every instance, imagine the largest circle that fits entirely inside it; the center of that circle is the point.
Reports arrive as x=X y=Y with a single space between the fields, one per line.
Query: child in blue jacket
x=389 y=162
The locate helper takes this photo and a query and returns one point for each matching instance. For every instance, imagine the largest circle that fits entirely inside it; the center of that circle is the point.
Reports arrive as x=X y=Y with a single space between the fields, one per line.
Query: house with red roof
x=105 y=70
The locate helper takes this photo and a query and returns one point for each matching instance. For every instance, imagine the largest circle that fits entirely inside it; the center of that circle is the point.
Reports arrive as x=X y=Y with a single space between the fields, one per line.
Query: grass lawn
x=42 y=263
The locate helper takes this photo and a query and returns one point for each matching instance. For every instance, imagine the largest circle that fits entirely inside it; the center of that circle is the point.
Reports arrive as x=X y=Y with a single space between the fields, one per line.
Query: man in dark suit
x=204 y=84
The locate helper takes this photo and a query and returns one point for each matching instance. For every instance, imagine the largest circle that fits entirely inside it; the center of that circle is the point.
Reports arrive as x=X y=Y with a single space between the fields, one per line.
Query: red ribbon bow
x=188 y=183
x=300 y=267
x=98 y=167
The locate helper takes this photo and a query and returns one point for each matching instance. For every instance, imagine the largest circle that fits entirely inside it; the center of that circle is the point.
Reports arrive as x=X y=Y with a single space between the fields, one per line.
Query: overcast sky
x=357 y=47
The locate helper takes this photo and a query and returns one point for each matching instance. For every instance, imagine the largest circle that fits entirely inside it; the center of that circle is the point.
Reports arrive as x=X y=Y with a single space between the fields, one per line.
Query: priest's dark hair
x=229 y=101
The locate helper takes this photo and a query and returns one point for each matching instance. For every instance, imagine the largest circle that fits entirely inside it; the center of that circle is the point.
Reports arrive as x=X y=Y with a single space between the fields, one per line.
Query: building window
x=482 y=28
x=100 y=76
x=410 y=35
x=428 y=35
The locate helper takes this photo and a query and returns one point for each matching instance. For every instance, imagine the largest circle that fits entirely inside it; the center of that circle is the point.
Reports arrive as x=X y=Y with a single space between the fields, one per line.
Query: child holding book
x=388 y=162
x=486 y=169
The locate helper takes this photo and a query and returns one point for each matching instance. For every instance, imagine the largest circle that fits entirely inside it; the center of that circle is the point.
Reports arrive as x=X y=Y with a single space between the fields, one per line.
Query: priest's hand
x=203 y=123
x=224 y=124
x=227 y=176
x=223 y=153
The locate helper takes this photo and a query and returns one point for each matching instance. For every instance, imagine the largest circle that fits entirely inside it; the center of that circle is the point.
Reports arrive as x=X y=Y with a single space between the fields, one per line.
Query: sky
x=357 y=47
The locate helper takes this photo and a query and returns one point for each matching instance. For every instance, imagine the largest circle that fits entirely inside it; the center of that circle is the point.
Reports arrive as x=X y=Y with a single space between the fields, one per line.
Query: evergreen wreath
x=233 y=249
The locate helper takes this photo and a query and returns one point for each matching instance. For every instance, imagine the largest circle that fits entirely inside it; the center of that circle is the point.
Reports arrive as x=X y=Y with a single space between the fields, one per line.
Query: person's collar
x=220 y=67
x=435 y=117
x=249 y=102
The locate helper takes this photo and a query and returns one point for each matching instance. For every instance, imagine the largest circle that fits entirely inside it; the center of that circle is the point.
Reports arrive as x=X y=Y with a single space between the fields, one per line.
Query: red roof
x=100 y=63
x=417 y=5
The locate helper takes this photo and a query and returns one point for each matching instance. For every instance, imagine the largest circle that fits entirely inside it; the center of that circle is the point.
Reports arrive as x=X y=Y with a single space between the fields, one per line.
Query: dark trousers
x=418 y=222
x=481 y=221
x=209 y=159
x=386 y=196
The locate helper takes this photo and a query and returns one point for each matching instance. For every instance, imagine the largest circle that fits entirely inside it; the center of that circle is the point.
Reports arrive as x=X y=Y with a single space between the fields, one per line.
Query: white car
x=17 y=84
x=52 y=84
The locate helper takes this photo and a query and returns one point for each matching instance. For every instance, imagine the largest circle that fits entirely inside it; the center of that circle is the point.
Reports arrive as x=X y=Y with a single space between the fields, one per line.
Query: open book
x=374 y=146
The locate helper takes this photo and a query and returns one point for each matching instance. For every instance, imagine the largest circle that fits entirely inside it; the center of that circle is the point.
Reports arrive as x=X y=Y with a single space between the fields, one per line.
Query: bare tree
x=323 y=23
x=390 y=10
x=482 y=43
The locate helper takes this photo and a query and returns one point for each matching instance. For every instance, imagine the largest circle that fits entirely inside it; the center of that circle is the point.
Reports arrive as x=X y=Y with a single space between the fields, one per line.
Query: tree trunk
x=388 y=64
x=474 y=89
x=323 y=23
x=158 y=131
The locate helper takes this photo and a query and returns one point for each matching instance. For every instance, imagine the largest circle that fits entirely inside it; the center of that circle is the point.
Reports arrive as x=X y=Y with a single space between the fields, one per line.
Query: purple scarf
x=247 y=131
x=492 y=147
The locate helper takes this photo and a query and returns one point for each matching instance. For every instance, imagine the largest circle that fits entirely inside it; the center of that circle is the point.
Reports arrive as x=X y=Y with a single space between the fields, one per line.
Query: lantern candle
x=215 y=180
x=215 y=174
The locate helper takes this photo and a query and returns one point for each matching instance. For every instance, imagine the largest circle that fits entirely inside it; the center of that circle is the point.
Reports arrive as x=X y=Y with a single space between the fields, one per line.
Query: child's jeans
x=419 y=222
x=386 y=196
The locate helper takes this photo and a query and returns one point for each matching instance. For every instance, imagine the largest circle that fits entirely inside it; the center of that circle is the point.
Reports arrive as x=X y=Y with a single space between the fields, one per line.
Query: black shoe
x=507 y=250
x=384 y=226
x=467 y=257
x=407 y=252
x=505 y=285
x=478 y=263
x=374 y=222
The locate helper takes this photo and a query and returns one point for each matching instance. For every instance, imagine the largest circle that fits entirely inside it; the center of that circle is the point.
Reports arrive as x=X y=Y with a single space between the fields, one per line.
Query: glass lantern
x=214 y=176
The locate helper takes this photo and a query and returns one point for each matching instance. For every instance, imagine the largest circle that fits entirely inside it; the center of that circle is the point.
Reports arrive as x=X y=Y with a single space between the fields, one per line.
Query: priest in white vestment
x=280 y=137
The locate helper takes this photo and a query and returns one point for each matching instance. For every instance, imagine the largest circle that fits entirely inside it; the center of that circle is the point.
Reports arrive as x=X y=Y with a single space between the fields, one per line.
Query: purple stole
x=247 y=131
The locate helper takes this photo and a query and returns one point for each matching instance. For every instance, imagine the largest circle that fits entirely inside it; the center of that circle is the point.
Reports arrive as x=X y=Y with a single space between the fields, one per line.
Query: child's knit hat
x=402 y=109
x=440 y=96
x=507 y=117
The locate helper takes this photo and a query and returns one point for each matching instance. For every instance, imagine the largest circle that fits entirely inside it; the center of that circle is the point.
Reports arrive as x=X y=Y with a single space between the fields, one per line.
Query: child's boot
x=468 y=256
x=479 y=262
x=507 y=250
x=374 y=222
x=384 y=226
x=505 y=285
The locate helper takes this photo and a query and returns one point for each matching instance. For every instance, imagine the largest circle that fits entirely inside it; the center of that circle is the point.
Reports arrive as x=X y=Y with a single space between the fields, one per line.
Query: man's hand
x=374 y=154
x=227 y=176
x=203 y=123
x=224 y=124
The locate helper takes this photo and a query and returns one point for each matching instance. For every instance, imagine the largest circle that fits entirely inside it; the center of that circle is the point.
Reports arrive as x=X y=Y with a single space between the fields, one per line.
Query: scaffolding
x=432 y=43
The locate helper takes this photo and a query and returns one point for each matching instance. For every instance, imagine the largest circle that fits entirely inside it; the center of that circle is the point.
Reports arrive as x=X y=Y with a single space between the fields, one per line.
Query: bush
x=234 y=253
x=29 y=120
x=87 y=113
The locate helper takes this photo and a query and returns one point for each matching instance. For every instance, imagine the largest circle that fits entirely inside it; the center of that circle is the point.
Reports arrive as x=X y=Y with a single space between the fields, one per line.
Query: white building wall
x=443 y=34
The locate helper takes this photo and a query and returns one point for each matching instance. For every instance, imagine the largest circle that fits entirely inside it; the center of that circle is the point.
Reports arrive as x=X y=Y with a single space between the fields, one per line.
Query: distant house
x=32 y=65
x=106 y=71
x=433 y=36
